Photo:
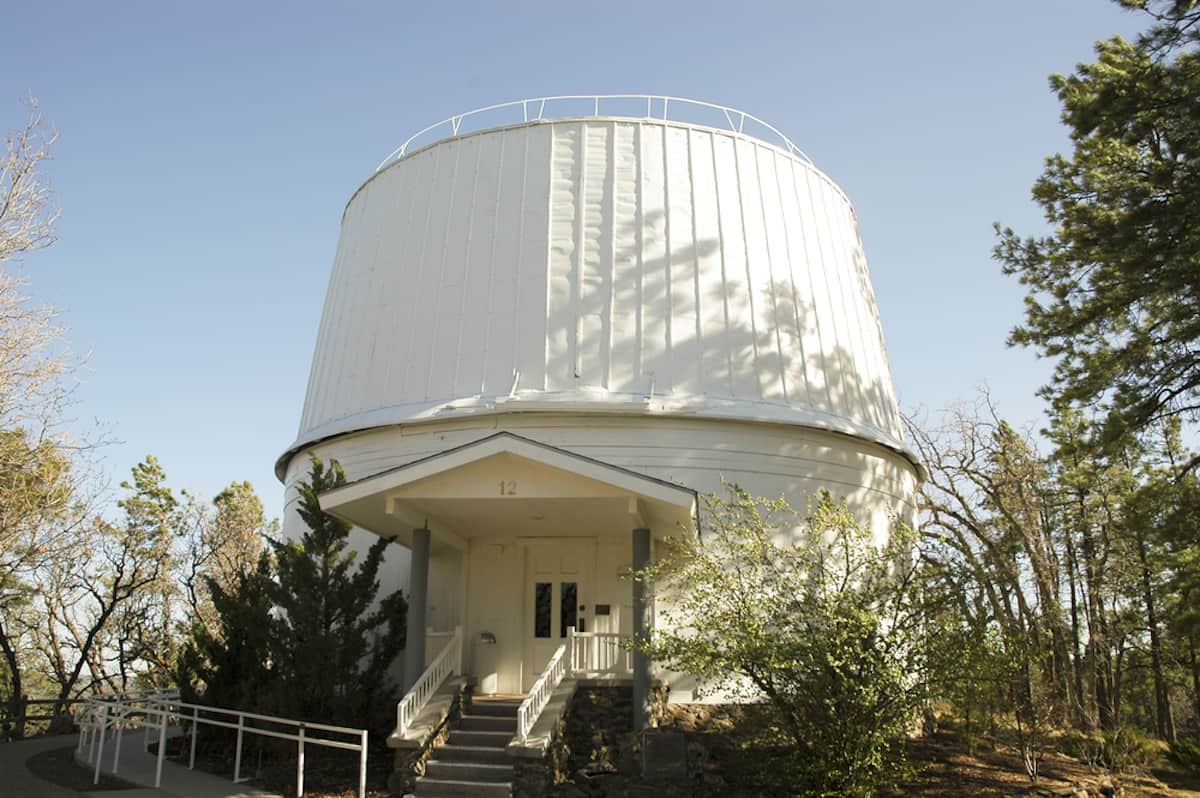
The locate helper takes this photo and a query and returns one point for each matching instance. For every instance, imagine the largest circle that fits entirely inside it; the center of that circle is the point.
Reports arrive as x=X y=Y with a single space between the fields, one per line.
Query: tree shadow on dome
x=689 y=322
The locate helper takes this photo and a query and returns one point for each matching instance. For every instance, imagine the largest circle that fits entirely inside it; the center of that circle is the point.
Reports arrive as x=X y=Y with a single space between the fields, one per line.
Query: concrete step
x=467 y=771
x=483 y=706
x=491 y=739
x=475 y=722
x=473 y=753
x=448 y=788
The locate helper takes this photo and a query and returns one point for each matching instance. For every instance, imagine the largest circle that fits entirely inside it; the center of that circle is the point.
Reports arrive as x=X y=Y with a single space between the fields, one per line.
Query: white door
x=557 y=596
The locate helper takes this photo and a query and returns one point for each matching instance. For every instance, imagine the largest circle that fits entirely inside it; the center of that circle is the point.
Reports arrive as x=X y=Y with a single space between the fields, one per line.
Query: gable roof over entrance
x=508 y=485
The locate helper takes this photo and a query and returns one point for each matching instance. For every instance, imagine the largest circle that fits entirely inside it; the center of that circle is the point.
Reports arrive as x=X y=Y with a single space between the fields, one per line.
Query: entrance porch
x=520 y=546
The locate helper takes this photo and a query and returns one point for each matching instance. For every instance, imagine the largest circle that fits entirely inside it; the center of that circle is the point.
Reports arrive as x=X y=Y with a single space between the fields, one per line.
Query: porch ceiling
x=506 y=485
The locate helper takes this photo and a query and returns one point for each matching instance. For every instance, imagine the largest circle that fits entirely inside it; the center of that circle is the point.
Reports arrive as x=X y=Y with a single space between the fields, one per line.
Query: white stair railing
x=543 y=688
x=445 y=664
x=599 y=653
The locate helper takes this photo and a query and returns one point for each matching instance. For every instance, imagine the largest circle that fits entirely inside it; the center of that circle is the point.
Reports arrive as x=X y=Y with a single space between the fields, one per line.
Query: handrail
x=112 y=712
x=735 y=118
x=539 y=695
x=598 y=652
x=446 y=663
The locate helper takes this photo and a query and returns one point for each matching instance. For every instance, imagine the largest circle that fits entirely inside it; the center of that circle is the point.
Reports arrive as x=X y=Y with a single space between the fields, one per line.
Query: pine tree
x=1113 y=294
x=332 y=639
x=229 y=664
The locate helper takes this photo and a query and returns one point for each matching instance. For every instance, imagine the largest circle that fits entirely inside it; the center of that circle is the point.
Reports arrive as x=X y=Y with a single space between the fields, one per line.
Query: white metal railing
x=599 y=653
x=539 y=695
x=568 y=106
x=584 y=653
x=92 y=721
x=446 y=663
x=157 y=712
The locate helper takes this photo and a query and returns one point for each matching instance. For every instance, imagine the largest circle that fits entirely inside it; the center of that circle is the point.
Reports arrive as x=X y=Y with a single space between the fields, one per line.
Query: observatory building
x=551 y=326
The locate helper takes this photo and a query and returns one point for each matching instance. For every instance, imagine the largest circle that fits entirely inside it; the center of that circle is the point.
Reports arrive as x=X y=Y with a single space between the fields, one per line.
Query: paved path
x=17 y=781
x=137 y=766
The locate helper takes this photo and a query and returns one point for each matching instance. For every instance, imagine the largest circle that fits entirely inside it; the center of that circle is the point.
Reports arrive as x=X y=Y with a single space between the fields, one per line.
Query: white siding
x=633 y=264
x=702 y=454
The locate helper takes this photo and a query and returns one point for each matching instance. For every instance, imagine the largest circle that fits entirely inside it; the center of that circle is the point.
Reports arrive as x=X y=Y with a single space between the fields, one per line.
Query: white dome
x=600 y=265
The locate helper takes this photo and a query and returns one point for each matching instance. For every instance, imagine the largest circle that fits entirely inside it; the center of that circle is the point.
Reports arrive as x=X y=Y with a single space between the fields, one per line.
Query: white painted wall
x=768 y=459
x=629 y=265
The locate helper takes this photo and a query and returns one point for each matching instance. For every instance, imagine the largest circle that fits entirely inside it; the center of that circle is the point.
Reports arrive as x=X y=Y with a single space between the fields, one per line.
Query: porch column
x=418 y=590
x=642 y=629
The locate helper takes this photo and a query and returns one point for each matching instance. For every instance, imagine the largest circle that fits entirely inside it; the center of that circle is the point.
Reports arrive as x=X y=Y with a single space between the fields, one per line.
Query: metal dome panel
x=601 y=265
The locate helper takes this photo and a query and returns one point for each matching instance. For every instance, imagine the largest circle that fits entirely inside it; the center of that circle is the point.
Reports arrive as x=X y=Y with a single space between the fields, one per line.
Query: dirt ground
x=949 y=770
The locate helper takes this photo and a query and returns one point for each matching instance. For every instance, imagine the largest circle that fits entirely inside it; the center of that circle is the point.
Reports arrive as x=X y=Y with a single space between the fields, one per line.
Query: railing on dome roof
x=567 y=106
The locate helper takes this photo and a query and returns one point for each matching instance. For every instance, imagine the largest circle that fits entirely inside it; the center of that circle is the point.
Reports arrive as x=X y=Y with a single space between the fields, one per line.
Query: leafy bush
x=817 y=634
x=1128 y=749
x=1121 y=750
x=1186 y=753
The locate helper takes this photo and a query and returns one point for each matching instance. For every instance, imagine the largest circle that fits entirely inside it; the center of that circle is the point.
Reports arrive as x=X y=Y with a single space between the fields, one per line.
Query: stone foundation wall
x=598 y=753
x=672 y=760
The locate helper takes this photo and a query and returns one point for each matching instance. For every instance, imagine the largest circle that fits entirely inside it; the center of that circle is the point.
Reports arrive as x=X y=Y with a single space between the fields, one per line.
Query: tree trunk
x=1116 y=681
x=1083 y=719
x=1099 y=658
x=16 y=698
x=1194 y=662
x=1163 y=722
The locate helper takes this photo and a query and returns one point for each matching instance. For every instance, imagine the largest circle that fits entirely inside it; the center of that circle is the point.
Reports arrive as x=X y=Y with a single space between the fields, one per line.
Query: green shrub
x=1127 y=749
x=1186 y=754
x=1084 y=746
x=1122 y=750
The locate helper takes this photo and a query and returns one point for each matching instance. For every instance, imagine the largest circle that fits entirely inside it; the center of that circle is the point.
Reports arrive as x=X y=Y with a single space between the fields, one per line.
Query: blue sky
x=207 y=151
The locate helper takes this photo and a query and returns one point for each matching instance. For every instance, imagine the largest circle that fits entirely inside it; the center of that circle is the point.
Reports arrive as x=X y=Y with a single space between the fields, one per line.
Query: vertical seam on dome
x=577 y=253
x=728 y=344
x=699 y=359
x=466 y=271
x=549 y=251
x=487 y=327
x=762 y=201
x=516 y=339
x=669 y=316
x=611 y=259
x=639 y=216
x=441 y=276
x=812 y=291
x=839 y=321
x=787 y=250
x=412 y=334
x=737 y=168
x=848 y=317
x=413 y=193
x=378 y=340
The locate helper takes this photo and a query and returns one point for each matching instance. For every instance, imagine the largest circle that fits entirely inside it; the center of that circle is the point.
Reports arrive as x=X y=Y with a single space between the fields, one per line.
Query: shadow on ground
x=58 y=766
